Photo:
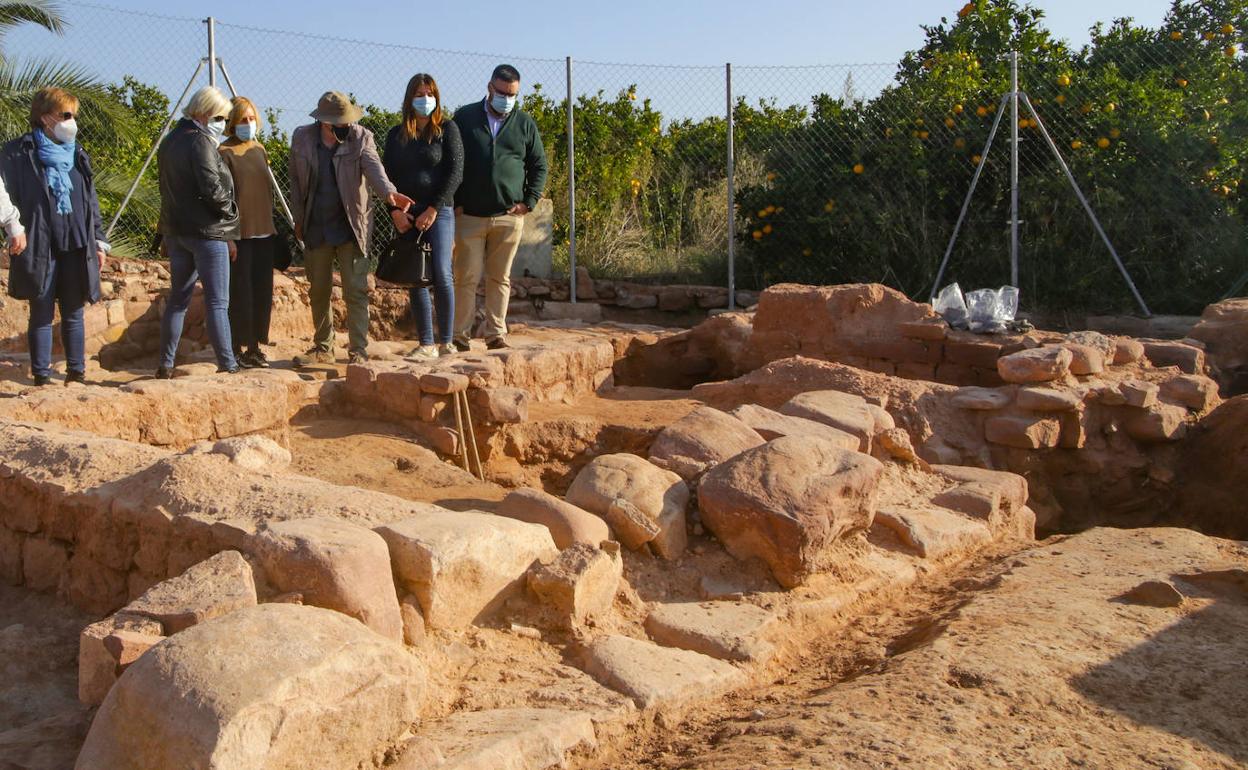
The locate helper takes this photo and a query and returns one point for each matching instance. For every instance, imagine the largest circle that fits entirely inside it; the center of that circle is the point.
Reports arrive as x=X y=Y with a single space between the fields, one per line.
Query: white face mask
x=246 y=131
x=216 y=127
x=66 y=131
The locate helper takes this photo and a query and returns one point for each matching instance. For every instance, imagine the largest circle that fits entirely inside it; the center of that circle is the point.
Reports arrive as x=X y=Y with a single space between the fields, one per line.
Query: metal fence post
x=571 y=189
x=732 y=219
x=212 y=50
x=1014 y=168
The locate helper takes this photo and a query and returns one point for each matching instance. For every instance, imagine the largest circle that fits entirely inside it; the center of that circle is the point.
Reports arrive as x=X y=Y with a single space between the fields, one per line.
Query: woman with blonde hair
x=58 y=246
x=424 y=157
x=199 y=223
x=251 y=274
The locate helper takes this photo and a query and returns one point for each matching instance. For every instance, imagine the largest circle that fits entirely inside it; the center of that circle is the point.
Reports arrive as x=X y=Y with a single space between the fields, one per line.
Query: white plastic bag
x=991 y=310
x=951 y=306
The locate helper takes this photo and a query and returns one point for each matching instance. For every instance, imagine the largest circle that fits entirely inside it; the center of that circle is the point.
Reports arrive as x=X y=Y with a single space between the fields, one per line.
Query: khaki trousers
x=484 y=245
x=353 y=266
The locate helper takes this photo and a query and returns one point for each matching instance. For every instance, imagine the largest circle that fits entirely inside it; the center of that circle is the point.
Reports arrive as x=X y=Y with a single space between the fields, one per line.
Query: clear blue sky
x=290 y=70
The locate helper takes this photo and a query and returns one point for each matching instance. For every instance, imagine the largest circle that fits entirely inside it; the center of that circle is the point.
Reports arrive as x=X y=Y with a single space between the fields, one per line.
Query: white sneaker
x=424 y=353
x=446 y=349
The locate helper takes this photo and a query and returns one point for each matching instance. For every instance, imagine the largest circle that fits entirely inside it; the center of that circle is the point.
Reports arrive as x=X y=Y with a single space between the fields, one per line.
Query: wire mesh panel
x=842 y=172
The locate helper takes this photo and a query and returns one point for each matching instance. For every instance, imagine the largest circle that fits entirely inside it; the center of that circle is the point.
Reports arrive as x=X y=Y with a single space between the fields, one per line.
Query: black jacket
x=196 y=188
x=29 y=272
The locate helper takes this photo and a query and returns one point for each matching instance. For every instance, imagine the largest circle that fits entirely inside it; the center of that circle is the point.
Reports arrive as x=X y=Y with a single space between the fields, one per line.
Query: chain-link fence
x=839 y=173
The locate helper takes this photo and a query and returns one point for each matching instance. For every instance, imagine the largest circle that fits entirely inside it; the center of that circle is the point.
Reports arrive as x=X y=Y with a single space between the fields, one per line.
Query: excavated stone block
x=1138 y=393
x=443 y=383
x=934 y=533
x=220 y=584
x=1023 y=432
x=581 y=582
x=981 y=399
x=97 y=666
x=567 y=523
x=660 y=496
x=463 y=565
x=1194 y=391
x=1035 y=365
x=700 y=440
x=1038 y=399
x=724 y=630
x=259 y=687
x=771 y=424
x=657 y=677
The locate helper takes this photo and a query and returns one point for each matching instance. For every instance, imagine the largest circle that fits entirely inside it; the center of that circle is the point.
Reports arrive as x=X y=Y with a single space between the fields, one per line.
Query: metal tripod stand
x=1012 y=100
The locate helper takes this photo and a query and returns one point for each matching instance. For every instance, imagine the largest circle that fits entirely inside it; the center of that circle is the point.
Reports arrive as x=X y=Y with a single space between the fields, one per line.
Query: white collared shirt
x=495 y=121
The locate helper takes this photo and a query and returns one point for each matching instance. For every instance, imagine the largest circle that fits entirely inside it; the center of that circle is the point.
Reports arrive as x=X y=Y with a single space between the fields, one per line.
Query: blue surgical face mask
x=502 y=103
x=216 y=129
x=424 y=105
x=245 y=131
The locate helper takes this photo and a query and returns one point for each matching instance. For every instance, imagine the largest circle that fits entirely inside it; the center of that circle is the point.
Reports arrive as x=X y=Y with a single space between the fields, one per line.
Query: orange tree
x=1152 y=122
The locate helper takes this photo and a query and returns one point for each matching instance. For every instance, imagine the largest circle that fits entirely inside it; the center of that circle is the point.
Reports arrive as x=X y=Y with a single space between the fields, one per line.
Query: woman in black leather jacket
x=199 y=224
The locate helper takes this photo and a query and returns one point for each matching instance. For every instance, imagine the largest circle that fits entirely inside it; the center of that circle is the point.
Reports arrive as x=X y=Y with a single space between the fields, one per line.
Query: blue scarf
x=57 y=160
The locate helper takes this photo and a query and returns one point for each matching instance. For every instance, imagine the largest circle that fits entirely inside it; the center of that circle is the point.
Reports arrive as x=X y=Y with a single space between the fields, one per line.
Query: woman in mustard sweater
x=251 y=269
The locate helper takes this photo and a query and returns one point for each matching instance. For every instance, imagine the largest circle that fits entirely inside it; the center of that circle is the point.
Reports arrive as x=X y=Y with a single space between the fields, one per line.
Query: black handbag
x=407 y=261
x=285 y=248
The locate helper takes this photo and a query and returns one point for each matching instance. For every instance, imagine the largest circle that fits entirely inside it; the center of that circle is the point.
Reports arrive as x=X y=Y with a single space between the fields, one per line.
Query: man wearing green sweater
x=504 y=175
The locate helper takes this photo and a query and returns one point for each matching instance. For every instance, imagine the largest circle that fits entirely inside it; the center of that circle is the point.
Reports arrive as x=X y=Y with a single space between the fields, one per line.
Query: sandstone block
x=567 y=523
x=1189 y=359
x=844 y=411
x=1038 y=399
x=335 y=565
x=1023 y=432
x=126 y=646
x=1138 y=393
x=97 y=666
x=1127 y=351
x=581 y=582
x=1159 y=423
x=1194 y=391
x=463 y=565
x=771 y=424
x=1035 y=365
x=1085 y=360
x=500 y=405
x=443 y=383
x=220 y=584
x=45 y=563
x=431 y=407
x=980 y=399
x=724 y=630
x=928 y=329
x=932 y=532
x=657 y=677
x=258 y=688
x=700 y=440
x=500 y=739
x=257 y=453
x=660 y=495
x=783 y=502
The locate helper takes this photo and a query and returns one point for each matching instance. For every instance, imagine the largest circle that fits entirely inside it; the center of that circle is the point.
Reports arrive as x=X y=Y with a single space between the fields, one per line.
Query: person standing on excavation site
x=57 y=247
x=504 y=175
x=251 y=274
x=333 y=164
x=199 y=224
x=425 y=159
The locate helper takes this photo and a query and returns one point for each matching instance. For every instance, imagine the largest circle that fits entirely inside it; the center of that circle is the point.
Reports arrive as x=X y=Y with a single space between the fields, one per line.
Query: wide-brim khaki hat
x=336 y=109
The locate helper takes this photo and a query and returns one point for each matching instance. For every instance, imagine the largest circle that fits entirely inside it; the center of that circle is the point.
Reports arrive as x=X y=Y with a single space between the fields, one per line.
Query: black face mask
x=342 y=132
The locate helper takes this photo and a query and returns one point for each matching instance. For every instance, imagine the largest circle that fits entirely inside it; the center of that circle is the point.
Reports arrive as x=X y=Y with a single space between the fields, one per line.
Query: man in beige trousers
x=504 y=174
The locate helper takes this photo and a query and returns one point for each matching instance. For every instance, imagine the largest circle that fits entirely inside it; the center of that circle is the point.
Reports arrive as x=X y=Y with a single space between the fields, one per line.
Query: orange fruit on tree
x=1060 y=98
x=959 y=143
x=1176 y=35
x=957 y=109
x=1085 y=108
x=766 y=229
x=949 y=123
x=1102 y=143
x=1111 y=107
x=1063 y=80
x=771 y=176
x=922 y=136
x=1228 y=29
x=758 y=235
x=831 y=204
x=1114 y=133
x=976 y=159
x=1075 y=145
x=981 y=111
x=966 y=10
x=1182 y=82
x=859 y=168
x=762 y=213
x=771 y=209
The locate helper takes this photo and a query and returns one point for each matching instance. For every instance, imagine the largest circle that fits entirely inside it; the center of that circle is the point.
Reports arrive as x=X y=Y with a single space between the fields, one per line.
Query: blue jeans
x=67 y=287
x=209 y=262
x=442 y=238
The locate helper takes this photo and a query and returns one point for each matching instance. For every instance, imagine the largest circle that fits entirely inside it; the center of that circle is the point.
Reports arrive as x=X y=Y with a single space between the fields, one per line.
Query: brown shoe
x=498 y=343
x=314 y=356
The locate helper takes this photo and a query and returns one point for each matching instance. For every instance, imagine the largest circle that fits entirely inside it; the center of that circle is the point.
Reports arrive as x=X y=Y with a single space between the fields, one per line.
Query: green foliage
x=1152 y=123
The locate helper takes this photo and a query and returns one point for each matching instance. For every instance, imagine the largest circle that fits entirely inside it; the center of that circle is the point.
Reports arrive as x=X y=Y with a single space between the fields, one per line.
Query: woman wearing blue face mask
x=199 y=224
x=57 y=246
x=424 y=158
x=251 y=274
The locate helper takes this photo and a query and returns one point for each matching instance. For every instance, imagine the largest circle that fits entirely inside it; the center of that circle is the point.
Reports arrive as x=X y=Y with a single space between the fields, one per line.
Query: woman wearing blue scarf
x=50 y=180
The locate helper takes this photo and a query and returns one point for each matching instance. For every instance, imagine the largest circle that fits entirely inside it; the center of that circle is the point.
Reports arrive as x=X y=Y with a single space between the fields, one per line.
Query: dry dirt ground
x=1035 y=660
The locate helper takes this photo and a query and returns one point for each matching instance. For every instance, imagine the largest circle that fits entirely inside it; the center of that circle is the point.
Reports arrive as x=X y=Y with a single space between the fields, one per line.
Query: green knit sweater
x=501 y=171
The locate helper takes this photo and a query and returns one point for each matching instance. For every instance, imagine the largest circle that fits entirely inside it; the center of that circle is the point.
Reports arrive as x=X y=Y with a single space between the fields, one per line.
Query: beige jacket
x=357 y=167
